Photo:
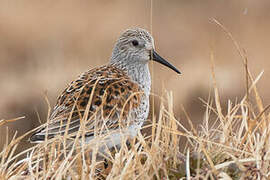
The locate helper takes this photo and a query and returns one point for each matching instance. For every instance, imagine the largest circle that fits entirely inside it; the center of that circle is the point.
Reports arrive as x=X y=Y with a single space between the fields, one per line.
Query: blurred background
x=46 y=44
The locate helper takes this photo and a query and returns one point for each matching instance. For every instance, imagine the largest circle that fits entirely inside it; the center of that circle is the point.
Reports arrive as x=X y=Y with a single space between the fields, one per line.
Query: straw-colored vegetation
x=231 y=143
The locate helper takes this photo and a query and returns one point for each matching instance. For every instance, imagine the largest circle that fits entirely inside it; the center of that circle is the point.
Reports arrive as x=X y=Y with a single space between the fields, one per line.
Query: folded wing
x=103 y=98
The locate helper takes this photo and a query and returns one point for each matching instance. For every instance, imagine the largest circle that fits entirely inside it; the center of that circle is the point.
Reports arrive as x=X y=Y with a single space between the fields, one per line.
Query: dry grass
x=235 y=146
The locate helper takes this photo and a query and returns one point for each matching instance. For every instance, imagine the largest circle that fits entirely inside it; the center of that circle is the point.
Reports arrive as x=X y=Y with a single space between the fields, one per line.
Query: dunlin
x=111 y=98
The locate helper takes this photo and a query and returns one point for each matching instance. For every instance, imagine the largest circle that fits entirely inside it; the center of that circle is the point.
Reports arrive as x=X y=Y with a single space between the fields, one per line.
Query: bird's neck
x=139 y=73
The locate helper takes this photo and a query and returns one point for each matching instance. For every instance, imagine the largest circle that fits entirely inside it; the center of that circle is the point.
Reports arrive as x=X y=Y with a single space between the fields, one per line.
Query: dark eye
x=135 y=43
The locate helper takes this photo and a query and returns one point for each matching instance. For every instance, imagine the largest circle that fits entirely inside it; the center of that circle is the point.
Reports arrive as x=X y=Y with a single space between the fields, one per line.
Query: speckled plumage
x=116 y=94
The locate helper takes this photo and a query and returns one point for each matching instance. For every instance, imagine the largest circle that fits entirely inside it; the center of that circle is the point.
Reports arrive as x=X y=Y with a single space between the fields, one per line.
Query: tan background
x=46 y=44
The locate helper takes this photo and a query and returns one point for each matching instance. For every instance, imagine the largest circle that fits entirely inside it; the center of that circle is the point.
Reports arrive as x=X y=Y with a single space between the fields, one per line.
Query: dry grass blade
x=4 y=121
x=217 y=98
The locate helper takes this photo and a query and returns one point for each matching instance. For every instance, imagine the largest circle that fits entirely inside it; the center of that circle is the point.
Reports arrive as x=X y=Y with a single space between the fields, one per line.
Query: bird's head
x=136 y=46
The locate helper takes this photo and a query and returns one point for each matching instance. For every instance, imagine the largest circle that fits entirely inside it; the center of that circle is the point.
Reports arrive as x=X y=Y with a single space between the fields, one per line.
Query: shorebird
x=111 y=98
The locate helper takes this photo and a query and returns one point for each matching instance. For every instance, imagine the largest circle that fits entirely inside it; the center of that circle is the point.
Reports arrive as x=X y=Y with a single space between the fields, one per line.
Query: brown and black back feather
x=111 y=95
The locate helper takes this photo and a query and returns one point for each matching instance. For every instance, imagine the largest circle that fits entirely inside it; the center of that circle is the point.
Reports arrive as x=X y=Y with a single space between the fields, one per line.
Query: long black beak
x=159 y=59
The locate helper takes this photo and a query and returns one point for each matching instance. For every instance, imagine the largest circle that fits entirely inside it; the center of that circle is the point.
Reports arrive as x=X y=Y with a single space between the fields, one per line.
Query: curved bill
x=159 y=59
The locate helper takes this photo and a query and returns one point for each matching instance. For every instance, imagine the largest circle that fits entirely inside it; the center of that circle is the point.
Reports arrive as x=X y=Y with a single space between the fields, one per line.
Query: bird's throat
x=140 y=73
